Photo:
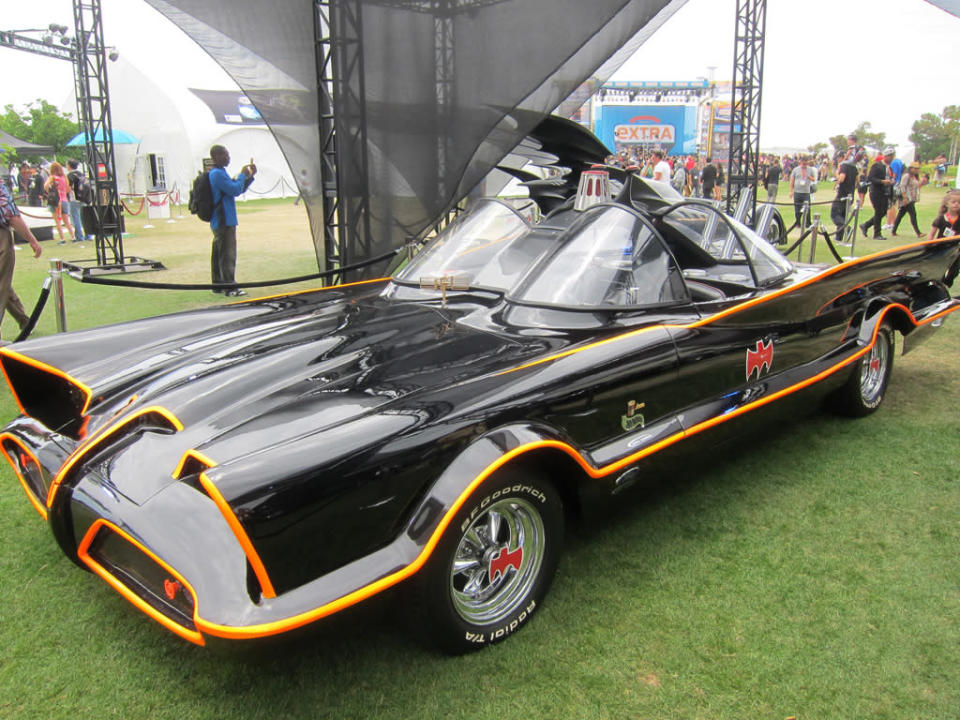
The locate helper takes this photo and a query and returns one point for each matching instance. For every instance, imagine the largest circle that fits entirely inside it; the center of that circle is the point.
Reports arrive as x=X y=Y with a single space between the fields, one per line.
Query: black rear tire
x=867 y=385
x=493 y=566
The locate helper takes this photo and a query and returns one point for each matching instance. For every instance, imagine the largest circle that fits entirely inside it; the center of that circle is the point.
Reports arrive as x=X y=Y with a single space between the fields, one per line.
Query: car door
x=760 y=336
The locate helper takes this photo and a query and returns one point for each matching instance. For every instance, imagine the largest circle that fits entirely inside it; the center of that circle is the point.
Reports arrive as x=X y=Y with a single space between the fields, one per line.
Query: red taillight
x=171 y=588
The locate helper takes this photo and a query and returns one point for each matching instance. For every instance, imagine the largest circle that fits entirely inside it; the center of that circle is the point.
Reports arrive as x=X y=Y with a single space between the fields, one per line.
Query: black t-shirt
x=773 y=174
x=876 y=176
x=945 y=229
x=849 y=183
x=709 y=176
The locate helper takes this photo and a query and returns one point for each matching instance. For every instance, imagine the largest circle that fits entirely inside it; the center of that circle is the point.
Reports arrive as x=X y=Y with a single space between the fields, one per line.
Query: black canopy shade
x=448 y=87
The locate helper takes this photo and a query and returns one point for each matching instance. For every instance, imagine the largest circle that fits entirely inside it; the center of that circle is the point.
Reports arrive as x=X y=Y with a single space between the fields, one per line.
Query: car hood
x=267 y=371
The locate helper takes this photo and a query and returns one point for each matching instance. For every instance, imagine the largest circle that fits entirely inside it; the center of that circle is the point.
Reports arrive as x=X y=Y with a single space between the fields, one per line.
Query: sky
x=828 y=64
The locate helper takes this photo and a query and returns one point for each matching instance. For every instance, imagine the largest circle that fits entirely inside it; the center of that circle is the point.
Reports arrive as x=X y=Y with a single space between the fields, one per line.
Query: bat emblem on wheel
x=502 y=560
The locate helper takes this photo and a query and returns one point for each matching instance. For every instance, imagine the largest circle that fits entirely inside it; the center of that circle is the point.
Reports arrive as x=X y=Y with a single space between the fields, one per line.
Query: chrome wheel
x=874 y=371
x=492 y=568
x=867 y=384
x=497 y=561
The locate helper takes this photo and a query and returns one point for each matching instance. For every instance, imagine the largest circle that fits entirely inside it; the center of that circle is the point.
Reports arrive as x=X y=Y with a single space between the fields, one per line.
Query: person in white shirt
x=661 y=168
x=802 y=180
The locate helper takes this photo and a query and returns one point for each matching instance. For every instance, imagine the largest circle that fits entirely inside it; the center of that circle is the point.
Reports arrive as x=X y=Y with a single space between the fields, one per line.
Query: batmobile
x=244 y=470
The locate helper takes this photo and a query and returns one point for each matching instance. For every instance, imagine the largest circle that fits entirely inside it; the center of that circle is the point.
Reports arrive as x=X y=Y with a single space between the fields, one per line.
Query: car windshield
x=487 y=248
x=609 y=259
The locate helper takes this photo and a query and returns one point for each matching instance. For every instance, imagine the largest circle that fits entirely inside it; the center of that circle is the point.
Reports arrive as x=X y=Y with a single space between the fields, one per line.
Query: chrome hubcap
x=873 y=371
x=497 y=561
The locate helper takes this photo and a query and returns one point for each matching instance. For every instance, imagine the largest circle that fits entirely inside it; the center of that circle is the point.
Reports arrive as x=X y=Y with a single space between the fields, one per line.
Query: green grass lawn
x=813 y=572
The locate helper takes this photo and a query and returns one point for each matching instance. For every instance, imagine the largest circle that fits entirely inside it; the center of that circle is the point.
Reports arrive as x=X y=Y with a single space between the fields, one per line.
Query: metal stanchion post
x=813 y=237
x=804 y=214
x=60 y=308
x=856 y=226
x=146 y=208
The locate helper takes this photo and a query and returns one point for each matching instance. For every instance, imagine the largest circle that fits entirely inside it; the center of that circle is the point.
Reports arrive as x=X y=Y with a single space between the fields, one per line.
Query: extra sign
x=645 y=129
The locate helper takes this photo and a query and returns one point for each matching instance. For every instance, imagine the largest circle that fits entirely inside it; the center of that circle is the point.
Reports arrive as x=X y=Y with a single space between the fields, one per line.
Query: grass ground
x=812 y=574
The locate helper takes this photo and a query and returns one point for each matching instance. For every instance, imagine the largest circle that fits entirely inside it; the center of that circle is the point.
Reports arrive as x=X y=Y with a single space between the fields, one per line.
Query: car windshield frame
x=467 y=251
x=751 y=246
x=603 y=262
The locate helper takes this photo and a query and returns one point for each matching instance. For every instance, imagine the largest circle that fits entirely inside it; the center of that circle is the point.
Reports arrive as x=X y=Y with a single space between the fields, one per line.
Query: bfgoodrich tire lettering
x=493 y=566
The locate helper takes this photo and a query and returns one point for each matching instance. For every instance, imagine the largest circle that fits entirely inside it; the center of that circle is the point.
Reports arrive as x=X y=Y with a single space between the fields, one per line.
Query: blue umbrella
x=120 y=137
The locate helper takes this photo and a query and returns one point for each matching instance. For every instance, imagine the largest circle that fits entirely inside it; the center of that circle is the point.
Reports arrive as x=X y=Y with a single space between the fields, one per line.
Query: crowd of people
x=688 y=174
x=892 y=186
x=63 y=191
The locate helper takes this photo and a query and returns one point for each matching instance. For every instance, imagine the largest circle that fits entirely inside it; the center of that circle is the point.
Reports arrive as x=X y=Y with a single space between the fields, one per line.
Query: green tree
x=951 y=117
x=43 y=124
x=875 y=140
x=937 y=134
x=817 y=148
x=931 y=136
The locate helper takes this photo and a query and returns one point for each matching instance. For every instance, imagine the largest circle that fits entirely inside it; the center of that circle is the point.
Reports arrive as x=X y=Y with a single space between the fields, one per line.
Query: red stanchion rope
x=133 y=212
x=163 y=200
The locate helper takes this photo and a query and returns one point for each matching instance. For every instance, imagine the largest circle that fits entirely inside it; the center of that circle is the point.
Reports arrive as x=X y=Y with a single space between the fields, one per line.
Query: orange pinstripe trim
x=187 y=634
x=37 y=505
x=291 y=623
x=732 y=310
x=310 y=290
x=255 y=562
x=14 y=355
x=238 y=530
x=96 y=437
x=816 y=278
x=196 y=455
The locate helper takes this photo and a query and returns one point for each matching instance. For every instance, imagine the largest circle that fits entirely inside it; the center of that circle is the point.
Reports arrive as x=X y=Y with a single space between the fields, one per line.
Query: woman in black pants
x=909 y=194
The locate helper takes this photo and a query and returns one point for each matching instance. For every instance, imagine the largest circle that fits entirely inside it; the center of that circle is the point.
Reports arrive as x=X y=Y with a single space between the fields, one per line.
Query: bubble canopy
x=489 y=247
x=611 y=258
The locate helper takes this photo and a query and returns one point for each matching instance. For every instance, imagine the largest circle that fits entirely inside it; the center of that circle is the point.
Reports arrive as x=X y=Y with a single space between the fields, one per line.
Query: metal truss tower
x=88 y=54
x=93 y=104
x=338 y=26
x=346 y=218
x=743 y=165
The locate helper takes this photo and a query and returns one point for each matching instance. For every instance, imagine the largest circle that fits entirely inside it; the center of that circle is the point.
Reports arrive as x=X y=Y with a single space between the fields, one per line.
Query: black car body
x=243 y=470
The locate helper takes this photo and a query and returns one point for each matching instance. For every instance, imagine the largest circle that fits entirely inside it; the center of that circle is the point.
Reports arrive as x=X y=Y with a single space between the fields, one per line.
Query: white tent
x=176 y=129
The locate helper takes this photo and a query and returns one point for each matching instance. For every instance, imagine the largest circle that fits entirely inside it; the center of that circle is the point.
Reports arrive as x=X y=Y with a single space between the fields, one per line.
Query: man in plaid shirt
x=11 y=220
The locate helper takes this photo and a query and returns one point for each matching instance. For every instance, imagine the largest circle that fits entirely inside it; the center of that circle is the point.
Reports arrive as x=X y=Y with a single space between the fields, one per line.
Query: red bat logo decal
x=171 y=588
x=759 y=357
x=502 y=560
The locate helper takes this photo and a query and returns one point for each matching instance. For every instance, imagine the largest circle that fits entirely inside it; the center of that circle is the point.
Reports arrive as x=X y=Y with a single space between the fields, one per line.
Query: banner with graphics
x=718 y=130
x=671 y=128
